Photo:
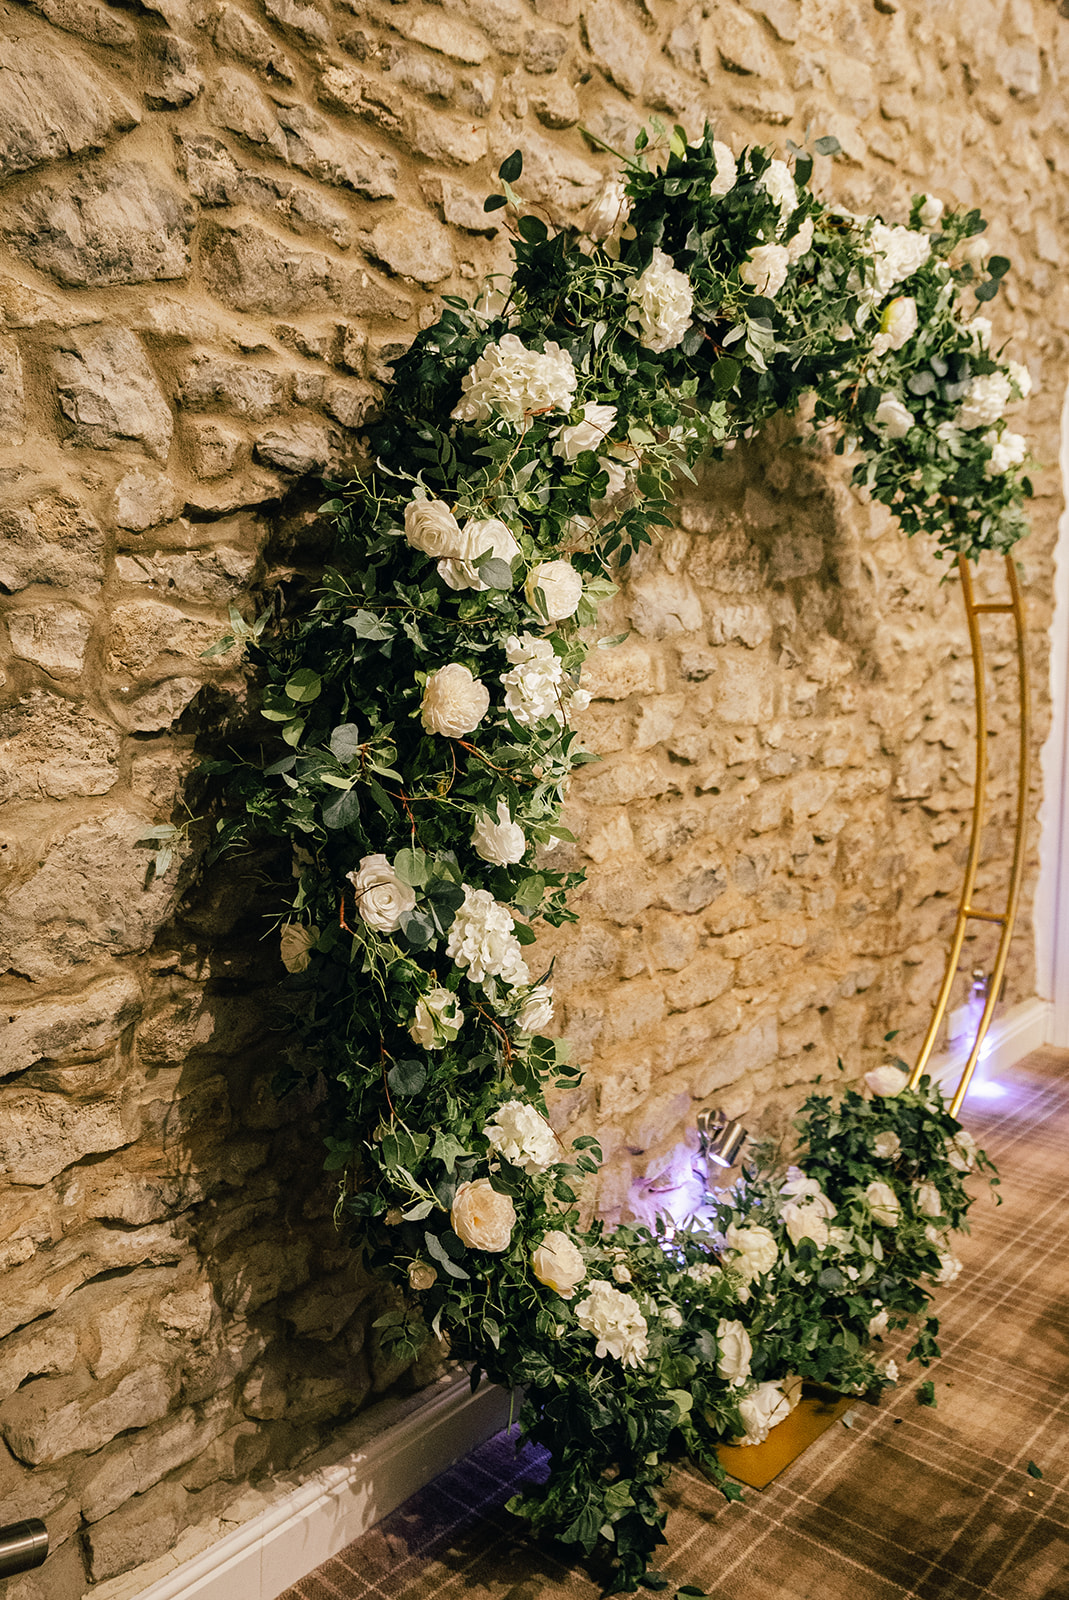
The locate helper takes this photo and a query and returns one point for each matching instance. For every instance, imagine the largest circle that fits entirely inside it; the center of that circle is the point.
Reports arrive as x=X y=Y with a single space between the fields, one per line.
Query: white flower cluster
x=727 y=171
x=883 y=1203
x=987 y=397
x=382 y=900
x=897 y=325
x=886 y=1081
x=438 y=1019
x=589 y=434
x=521 y=1136
x=509 y=381
x=616 y=1320
x=1006 y=452
x=767 y=1405
x=607 y=214
x=734 y=1351
x=807 y=1211
x=765 y=269
x=897 y=254
x=554 y=589
x=660 y=301
x=753 y=1250
x=534 y=684
x=536 y=1012
x=778 y=184
x=481 y=940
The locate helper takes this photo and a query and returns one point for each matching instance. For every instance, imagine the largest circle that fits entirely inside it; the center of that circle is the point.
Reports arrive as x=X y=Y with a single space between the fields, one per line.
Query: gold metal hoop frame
x=966 y=910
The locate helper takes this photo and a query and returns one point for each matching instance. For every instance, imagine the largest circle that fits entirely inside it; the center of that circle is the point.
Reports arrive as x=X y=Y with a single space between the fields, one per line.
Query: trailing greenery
x=420 y=746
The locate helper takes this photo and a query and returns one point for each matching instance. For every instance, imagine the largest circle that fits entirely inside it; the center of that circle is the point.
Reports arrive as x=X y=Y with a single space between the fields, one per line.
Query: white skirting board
x=305 y=1526
x=1024 y=1028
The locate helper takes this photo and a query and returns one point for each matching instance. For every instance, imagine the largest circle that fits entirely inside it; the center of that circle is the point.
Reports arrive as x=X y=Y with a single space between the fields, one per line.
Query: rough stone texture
x=220 y=225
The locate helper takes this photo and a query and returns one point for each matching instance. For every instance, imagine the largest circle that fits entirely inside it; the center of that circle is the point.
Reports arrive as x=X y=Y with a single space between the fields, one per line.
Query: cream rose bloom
x=734 y=1351
x=878 y=1324
x=296 y=943
x=558 y=1263
x=482 y=1219
x=438 y=1019
x=608 y=212
x=754 y=1248
x=660 y=301
x=807 y=1191
x=523 y=1137
x=503 y=842
x=897 y=325
x=883 y=1203
x=805 y=1222
x=490 y=537
x=931 y=211
x=727 y=171
x=765 y=269
x=887 y=1144
x=430 y=526
x=778 y=184
x=893 y=417
x=961 y=1151
x=765 y=1406
x=382 y=900
x=616 y=1321
x=800 y=243
x=536 y=1012
x=590 y=434
x=454 y=701
x=928 y=1200
x=886 y=1081
x=554 y=589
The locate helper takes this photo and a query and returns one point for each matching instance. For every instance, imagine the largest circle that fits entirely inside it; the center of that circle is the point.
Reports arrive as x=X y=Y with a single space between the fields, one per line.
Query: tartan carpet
x=909 y=1503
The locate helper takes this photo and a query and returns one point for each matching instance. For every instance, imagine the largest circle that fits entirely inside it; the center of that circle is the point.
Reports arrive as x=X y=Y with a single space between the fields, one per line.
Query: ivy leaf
x=366 y=625
x=1033 y=1471
x=495 y=202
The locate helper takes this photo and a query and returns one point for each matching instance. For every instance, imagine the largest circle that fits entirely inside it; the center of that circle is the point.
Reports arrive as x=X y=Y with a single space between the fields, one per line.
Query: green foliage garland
x=527 y=446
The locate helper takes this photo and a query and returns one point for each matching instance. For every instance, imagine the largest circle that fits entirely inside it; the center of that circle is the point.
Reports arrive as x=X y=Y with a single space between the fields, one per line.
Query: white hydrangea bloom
x=481 y=940
x=765 y=269
x=949 y=1268
x=988 y=396
x=533 y=686
x=489 y=537
x=536 y=1013
x=980 y=330
x=616 y=1320
x=660 y=301
x=704 y=1273
x=1006 y=453
x=726 y=170
x=754 y=1250
x=590 y=434
x=520 y=1135
x=438 y=1019
x=510 y=381
x=503 y=842
x=807 y=1191
x=897 y=254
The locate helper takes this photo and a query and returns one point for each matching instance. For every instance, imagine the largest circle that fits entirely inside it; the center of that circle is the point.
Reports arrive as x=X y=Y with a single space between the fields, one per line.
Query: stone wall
x=218 y=221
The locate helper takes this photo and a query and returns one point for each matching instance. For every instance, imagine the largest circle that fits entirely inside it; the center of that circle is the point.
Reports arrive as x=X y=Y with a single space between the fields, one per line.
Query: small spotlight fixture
x=722 y=1137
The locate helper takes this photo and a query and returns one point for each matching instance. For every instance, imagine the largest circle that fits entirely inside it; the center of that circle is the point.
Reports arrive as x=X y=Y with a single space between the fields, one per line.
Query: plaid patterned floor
x=909 y=1504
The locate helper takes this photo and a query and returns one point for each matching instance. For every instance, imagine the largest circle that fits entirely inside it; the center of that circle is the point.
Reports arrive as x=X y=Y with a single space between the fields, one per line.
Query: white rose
x=296 y=943
x=762 y=1409
x=660 y=302
x=976 y=250
x=509 y=381
x=454 y=702
x=579 y=701
x=503 y=842
x=807 y=1191
x=616 y=1320
x=886 y=1081
x=893 y=417
x=949 y=1268
x=726 y=171
x=878 y=1324
x=735 y=1351
x=883 y=1203
x=533 y=687
x=608 y=212
x=671 y=1316
x=928 y=1199
x=985 y=400
x=980 y=330
x=930 y=212
x=897 y=255
x=1006 y=453
x=961 y=1151
x=777 y=182
x=887 y=1145
x=490 y=537
x=438 y=1019
x=765 y=269
x=1021 y=378
x=536 y=1013
x=522 y=1137
x=899 y=321
x=430 y=526
x=800 y=243
x=558 y=1263
x=481 y=940
x=590 y=434
x=381 y=898
x=891 y=1371
x=756 y=1250
x=805 y=1222
x=482 y=1219
x=554 y=589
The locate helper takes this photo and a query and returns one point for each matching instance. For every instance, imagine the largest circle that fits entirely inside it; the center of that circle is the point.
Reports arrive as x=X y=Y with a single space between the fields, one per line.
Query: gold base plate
x=757 y=1464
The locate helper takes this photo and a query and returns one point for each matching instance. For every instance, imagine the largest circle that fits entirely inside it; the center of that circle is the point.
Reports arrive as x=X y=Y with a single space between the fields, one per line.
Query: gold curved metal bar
x=966 y=910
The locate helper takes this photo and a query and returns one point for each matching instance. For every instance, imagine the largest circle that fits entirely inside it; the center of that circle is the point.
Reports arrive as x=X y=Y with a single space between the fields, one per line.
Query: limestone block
x=251 y=270
x=54 y=1417
x=107 y=224
x=733 y=39
x=148 y=1456
x=556 y=104
x=214 y=449
x=216 y=178
x=12 y=395
x=623 y=1088
x=247 y=391
x=543 y=50
x=188 y=1311
x=669 y=941
x=696 y=888
x=46 y=1349
x=603 y=726
x=159 y=708
x=36 y=1287
x=318 y=148
x=782 y=16
x=350 y=403
x=624 y=779
x=742 y=690
x=554 y=176
x=418 y=71
x=617 y=43
x=300 y=448
x=53 y=637
x=51 y=540
x=176 y=78
x=663 y=603
x=634 y=1010
x=92 y=22
x=86 y=901
x=145 y=1528
x=148 y=631
x=143 y=500
x=629 y=668
x=69 y=1025
x=213 y=576
x=110 y=394
x=444 y=34
x=746 y=1051
x=306 y=20
x=704 y=979
x=238 y=35
x=412 y=245
x=656 y=719
x=664 y=1117
x=53 y=103
x=500 y=20
x=322 y=1308
x=1021 y=71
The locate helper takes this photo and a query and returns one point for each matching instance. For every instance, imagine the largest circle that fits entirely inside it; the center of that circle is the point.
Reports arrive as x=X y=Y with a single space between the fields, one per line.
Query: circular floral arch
x=527 y=446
